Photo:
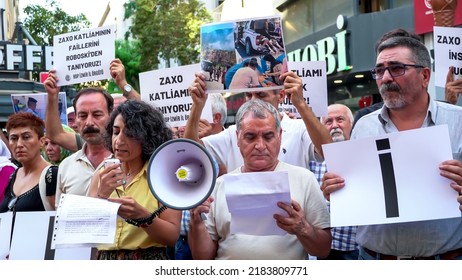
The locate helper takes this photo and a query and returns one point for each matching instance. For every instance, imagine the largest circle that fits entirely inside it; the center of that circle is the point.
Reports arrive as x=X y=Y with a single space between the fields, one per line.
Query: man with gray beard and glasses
x=402 y=72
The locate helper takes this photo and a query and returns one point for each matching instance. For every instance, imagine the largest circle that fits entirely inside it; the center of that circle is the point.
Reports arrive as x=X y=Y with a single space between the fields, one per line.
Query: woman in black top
x=26 y=137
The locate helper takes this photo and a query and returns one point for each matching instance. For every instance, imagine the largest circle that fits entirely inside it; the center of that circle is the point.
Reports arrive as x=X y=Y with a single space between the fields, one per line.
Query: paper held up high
x=83 y=221
x=252 y=201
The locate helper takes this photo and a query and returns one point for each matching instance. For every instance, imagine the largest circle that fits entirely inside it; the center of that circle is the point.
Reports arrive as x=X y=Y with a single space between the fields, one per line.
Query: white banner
x=314 y=78
x=167 y=89
x=392 y=178
x=84 y=56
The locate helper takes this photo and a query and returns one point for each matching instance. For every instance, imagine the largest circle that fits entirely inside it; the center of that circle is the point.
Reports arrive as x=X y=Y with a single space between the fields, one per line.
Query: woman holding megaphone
x=134 y=132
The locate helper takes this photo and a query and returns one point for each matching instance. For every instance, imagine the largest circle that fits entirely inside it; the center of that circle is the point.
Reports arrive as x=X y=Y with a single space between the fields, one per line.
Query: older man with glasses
x=402 y=72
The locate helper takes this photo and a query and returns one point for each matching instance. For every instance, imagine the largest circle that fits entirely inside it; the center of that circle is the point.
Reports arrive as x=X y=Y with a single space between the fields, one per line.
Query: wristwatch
x=127 y=89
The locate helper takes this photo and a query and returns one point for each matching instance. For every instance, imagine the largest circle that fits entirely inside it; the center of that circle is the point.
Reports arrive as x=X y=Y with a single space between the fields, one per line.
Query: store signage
x=14 y=57
x=333 y=50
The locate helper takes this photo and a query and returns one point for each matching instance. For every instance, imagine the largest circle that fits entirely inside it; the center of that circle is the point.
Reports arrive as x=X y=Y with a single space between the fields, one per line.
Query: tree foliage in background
x=167 y=29
x=128 y=51
x=44 y=22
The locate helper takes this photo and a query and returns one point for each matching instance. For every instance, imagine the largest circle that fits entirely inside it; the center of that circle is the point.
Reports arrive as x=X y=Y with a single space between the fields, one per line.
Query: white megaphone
x=181 y=174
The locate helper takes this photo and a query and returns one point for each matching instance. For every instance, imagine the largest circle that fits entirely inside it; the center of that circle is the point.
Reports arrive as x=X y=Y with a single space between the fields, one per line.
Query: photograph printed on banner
x=243 y=55
x=36 y=103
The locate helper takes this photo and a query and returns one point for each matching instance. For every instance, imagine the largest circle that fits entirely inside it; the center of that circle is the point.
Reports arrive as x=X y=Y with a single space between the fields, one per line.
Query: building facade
x=344 y=34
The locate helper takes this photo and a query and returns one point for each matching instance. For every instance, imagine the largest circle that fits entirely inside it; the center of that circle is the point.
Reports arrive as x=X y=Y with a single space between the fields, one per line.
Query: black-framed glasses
x=395 y=70
x=12 y=203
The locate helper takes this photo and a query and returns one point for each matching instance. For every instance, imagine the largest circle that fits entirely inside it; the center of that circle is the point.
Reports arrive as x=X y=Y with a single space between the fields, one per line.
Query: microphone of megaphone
x=181 y=174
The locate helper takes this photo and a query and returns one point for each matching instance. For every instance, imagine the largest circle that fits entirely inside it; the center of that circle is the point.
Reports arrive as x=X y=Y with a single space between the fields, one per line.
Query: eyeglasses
x=12 y=203
x=395 y=70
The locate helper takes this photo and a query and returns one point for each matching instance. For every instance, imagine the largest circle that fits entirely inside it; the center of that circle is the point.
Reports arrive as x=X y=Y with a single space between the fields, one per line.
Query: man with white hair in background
x=71 y=118
x=219 y=116
x=339 y=122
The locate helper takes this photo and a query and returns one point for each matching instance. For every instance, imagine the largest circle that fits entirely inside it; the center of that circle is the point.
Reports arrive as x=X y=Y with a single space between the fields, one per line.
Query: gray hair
x=219 y=106
x=259 y=109
x=419 y=52
x=349 y=113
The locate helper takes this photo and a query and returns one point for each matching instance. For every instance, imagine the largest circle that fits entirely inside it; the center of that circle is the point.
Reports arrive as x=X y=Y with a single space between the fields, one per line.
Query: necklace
x=128 y=175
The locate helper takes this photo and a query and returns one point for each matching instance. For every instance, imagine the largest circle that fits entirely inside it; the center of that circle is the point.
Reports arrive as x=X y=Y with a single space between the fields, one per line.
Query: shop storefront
x=348 y=47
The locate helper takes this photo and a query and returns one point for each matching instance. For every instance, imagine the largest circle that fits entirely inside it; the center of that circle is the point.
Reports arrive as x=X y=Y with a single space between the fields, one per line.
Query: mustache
x=389 y=87
x=336 y=130
x=90 y=129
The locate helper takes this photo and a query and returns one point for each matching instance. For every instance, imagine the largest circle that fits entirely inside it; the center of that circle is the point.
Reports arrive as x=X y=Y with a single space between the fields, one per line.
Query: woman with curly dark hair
x=134 y=132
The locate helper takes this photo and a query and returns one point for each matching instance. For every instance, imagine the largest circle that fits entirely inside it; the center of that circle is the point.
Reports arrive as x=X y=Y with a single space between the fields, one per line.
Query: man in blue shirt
x=402 y=72
x=338 y=122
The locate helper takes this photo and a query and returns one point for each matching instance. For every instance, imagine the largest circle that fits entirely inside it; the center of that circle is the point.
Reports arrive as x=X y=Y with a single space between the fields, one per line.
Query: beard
x=392 y=96
x=337 y=135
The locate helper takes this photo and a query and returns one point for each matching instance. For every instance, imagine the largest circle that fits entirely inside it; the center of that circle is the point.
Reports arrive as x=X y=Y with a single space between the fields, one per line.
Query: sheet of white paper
x=252 y=201
x=5 y=233
x=32 y=236
x=84 y=221
x=167 y=89
x=84 y=56
x=422 y=194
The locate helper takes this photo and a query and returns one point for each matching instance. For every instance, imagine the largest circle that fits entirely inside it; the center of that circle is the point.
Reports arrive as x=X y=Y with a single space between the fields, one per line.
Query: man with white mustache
x=339 y=122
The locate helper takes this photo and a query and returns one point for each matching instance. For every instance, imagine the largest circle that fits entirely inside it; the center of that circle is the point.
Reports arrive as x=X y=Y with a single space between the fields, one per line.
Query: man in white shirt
x=299 y=137
x=306 y=219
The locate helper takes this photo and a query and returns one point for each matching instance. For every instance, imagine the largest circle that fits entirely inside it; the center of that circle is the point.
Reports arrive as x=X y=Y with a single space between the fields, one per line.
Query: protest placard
x=314 y=79
x=244 y=55
x=167 y=89
x=36 y=103
x=84 y=56
x=448 y=52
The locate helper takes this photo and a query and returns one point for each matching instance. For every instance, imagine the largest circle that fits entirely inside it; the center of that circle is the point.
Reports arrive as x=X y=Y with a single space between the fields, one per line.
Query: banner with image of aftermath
x=244 y=55
x=36 y=103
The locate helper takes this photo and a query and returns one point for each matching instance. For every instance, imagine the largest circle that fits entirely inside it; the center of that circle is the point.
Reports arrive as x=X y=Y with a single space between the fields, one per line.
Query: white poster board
x=167 y=89
x=84 y=56
x=32 y=236
x=448 y=52
x=6 y=220
x=421 y=193
x=314 y=79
